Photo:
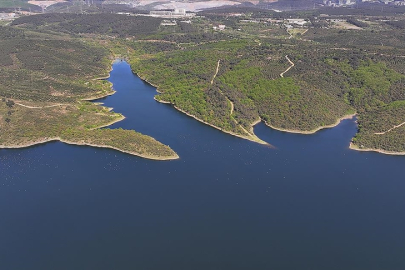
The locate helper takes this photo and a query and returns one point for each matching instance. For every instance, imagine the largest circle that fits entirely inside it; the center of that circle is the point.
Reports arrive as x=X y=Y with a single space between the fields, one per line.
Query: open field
x=346 y=25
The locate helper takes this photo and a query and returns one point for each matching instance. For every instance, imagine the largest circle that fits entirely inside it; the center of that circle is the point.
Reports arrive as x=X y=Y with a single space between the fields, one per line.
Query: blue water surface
x=309 y=203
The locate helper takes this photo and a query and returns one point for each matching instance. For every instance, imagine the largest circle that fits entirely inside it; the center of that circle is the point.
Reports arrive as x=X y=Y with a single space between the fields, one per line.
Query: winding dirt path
x=216 y=72
x=31 y=107
x=288 y=32
x=156 y=41
x=292 y=65
x=212 y=81
x=232 y=105
x=394 y=127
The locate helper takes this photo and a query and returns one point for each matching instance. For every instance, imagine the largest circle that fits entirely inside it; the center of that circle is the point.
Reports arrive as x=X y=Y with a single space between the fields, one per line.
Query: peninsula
x=46 y=85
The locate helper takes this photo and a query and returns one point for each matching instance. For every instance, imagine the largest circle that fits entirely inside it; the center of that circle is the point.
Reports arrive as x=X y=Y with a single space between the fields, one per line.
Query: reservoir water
x=227 y=203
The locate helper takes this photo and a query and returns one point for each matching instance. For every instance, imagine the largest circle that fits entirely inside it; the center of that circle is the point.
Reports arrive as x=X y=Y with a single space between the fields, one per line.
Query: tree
x=10 y=103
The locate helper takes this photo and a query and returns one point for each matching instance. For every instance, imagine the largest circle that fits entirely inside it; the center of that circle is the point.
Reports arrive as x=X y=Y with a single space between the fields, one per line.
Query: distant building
x=181 y=12
x=334 y=3
x=398 y=3
x=300 y=22
x=275 y=21
x=168 y=23
x=250 y=21
x=160 y=13
x=7 y=16
x=219 y=27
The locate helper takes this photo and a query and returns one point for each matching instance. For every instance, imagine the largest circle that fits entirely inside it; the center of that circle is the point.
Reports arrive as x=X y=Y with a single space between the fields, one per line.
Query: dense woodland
x=345 y=71
x=229 y=79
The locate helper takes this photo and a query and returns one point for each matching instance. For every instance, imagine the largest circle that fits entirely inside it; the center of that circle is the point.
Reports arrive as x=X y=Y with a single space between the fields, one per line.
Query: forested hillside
x=298 y=79
x=342 y=73
x=247 y=87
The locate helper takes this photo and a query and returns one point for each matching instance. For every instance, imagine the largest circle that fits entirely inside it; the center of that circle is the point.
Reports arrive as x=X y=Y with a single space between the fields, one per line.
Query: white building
x=300 y=22
x=7 y=16
x=181 y=12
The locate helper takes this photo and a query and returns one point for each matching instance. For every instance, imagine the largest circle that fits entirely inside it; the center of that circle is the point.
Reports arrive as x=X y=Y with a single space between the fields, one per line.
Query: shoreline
x=258 y=140
x=58 y=139
x=112 y=92
x=252 y=139
x=254 y=124
x=162 y=101
x=146 y=80
x=380 y=151
x=110 y=123
x=108 y=74
x=104 y=95
x=309 y=132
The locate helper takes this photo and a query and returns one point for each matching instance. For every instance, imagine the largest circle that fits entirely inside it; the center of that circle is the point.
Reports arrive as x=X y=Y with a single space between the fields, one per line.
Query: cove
x=227 y=203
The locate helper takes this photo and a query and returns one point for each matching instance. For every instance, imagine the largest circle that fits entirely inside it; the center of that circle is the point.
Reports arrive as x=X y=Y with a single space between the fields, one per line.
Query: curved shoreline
x=112 y=91
x=309 y=132
x=175 y=156
x=103 y=95
x=381 y=151
x=258 y=140
x=253 y=139
x=110 y=123
x=30 y=144
x=100 y=97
